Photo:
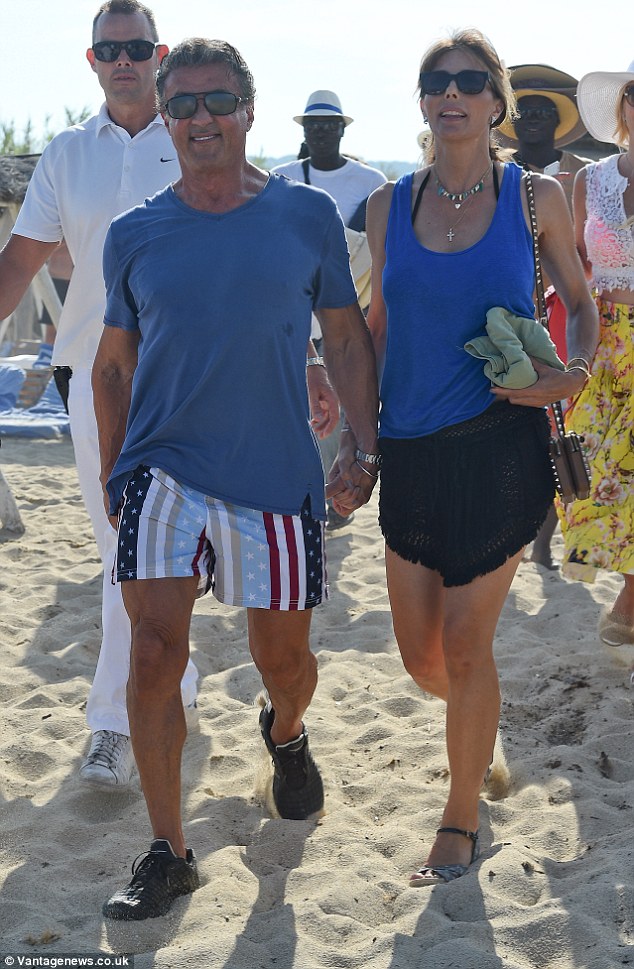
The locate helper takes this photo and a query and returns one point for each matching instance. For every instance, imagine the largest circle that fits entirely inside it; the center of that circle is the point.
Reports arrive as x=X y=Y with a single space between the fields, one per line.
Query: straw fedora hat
x=558 y=87
x=323 y=104
x=597 y=97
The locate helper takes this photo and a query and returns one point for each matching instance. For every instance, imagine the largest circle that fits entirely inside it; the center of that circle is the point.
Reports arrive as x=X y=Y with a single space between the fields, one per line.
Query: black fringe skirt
x=465 y=499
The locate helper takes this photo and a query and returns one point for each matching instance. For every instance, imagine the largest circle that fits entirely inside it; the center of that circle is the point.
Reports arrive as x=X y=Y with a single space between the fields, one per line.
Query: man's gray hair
x=127 y=7
x=195 y=51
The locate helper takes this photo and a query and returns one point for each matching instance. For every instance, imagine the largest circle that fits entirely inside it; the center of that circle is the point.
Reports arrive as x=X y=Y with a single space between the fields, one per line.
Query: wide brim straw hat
x=323 y=104
x=558 y=87
x=598 y=97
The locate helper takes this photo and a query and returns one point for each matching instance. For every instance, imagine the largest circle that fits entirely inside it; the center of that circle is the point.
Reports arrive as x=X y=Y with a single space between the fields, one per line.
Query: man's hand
x=324 y=403
x=350 y=484
x=113 y=519
x=551 y=385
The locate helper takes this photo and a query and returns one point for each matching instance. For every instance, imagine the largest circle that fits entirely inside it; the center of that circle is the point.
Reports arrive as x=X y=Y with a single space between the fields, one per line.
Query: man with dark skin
x=349 y=182
x=535 y=129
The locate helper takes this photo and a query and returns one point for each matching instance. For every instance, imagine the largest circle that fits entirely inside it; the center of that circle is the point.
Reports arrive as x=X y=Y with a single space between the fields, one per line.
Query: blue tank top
x=436 y=302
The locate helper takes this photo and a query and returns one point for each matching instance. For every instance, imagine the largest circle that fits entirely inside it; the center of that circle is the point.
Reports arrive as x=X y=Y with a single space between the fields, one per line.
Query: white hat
x=597 y=99
x=323 y=104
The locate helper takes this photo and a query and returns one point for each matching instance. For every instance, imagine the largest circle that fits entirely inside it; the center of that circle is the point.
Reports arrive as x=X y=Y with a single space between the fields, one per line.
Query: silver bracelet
x=576 y=360
x=578 y=363
x=315 y=362
x=365 y=471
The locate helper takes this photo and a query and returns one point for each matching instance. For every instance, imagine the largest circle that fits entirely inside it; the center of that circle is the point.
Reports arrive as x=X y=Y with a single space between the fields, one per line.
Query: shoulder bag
x=567 y=457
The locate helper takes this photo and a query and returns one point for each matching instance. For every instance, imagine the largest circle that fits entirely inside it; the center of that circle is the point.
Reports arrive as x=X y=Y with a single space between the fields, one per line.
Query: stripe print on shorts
x=251 y=558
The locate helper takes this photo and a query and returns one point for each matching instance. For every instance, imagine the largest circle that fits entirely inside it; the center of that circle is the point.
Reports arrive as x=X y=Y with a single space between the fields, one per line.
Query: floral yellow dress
x=599 y=531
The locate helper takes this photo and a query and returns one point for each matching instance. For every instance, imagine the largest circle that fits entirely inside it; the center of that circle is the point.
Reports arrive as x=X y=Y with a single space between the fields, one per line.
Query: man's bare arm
x=351 y=367
x=20 y=260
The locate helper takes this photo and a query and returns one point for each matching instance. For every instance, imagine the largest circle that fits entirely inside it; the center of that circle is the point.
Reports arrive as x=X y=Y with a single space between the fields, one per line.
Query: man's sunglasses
x=537 y=114
x=468 y=82
x=217 y=102
x=322 y=124
x=628 y=94
x=137 y=50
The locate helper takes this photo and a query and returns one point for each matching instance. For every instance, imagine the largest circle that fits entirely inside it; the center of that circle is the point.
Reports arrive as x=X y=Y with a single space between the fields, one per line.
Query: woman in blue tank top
x=466 y=480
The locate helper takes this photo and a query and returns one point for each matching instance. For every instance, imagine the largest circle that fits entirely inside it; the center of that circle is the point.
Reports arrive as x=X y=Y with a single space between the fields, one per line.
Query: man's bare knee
x=158 y=659
x=287 y=673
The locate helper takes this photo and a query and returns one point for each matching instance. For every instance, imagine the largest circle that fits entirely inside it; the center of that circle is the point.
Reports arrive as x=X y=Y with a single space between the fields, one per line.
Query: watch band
x=315 y=362
x=374 y=459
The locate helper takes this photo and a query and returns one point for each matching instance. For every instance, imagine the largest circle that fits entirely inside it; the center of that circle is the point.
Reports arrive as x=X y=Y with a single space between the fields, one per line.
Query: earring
x=492 y=120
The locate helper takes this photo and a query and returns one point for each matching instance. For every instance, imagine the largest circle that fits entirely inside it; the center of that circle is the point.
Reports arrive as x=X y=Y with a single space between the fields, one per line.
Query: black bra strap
x=419 y=194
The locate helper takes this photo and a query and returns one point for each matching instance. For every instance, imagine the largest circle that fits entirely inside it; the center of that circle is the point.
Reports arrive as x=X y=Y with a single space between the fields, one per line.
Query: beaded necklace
x=459 y=197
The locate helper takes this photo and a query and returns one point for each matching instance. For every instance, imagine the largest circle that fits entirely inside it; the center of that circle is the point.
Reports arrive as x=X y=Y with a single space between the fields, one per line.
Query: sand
x=553 y=887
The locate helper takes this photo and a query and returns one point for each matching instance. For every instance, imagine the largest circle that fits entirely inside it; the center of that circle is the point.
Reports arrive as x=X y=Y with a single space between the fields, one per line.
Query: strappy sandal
x=439 y=874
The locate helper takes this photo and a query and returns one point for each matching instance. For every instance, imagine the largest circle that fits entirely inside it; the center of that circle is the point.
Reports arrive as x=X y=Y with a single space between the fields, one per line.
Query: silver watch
x=374 y=459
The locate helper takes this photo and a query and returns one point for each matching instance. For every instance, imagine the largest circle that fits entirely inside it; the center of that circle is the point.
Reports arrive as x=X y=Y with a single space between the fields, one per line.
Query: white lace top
x=609 y=243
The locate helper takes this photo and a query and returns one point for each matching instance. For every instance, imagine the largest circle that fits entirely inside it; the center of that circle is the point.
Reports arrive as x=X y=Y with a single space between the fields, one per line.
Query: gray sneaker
x=110 y=760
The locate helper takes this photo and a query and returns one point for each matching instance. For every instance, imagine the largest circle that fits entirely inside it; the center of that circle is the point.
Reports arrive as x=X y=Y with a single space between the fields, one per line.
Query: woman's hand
x=551 y=385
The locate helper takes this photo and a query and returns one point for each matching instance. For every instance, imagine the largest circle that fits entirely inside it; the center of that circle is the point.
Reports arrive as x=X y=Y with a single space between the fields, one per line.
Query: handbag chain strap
x=539 y=288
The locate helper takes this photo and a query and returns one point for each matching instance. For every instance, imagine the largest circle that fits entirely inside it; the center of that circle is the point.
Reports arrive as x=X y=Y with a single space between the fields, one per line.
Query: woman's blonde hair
x=621 y=134
x=475 y=42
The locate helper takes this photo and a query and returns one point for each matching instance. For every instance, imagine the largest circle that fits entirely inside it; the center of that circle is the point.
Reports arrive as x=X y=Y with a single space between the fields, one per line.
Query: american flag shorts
x=249 y=558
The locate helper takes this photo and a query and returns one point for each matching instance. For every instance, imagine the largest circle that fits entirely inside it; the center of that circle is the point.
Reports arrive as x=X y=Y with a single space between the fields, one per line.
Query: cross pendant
x=450 y=235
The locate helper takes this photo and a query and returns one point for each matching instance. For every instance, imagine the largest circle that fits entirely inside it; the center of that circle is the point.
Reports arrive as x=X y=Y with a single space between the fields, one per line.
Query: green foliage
x=25 y=142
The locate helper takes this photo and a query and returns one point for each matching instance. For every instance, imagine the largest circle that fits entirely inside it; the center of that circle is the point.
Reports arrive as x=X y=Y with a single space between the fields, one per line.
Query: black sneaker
x=298 y=791
x=158 y=879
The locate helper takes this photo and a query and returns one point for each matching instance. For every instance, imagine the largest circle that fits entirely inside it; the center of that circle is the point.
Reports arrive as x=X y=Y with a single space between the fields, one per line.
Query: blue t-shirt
x=223 y=305
x=436 y=302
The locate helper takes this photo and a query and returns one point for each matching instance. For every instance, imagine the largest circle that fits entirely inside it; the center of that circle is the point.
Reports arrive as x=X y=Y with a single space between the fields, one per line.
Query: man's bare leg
x=160 y=613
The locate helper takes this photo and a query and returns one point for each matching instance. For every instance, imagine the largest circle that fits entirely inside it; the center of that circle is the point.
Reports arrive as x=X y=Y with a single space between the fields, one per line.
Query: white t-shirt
x=86 y=176
x=348 y=186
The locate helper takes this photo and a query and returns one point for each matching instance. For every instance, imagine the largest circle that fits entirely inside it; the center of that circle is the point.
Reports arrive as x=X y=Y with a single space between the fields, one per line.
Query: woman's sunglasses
x=628 y=94
x=217 y=102
x=137 y=50
x=468 y=82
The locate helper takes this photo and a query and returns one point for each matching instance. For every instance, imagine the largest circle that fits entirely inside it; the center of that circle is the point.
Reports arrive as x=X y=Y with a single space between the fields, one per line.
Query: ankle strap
x=473 y=835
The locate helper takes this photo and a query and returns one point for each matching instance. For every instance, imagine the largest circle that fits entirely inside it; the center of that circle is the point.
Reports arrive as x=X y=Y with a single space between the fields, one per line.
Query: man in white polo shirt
x=87 y=175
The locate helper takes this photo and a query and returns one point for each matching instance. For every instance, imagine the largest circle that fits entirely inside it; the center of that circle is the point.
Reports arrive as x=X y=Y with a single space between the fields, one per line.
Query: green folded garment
x=506 y=349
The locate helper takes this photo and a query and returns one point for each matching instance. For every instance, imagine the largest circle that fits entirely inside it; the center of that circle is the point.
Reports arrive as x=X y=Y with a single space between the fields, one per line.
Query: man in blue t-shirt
x=211 y=471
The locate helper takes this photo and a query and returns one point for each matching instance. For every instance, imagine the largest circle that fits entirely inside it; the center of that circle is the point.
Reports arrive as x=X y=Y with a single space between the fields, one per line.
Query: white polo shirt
x=348 y=186
x=87 y=175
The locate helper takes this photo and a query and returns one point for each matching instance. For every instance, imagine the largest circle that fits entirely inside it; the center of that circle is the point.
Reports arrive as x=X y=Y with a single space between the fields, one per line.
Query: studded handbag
x=567 y=456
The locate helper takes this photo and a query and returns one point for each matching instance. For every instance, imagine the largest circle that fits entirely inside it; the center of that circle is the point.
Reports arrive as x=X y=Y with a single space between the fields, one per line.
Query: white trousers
x=106 y=708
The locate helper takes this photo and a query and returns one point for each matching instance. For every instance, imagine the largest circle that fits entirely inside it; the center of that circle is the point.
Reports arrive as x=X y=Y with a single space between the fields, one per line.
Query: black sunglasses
x=217 y=102
x=468 y=82
x=628 y=94
x=137 y=50
x=323 y=124
x=537 y=114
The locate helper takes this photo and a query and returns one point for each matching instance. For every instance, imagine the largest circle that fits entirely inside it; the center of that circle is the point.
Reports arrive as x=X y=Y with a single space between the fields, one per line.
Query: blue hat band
x=328 y=107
